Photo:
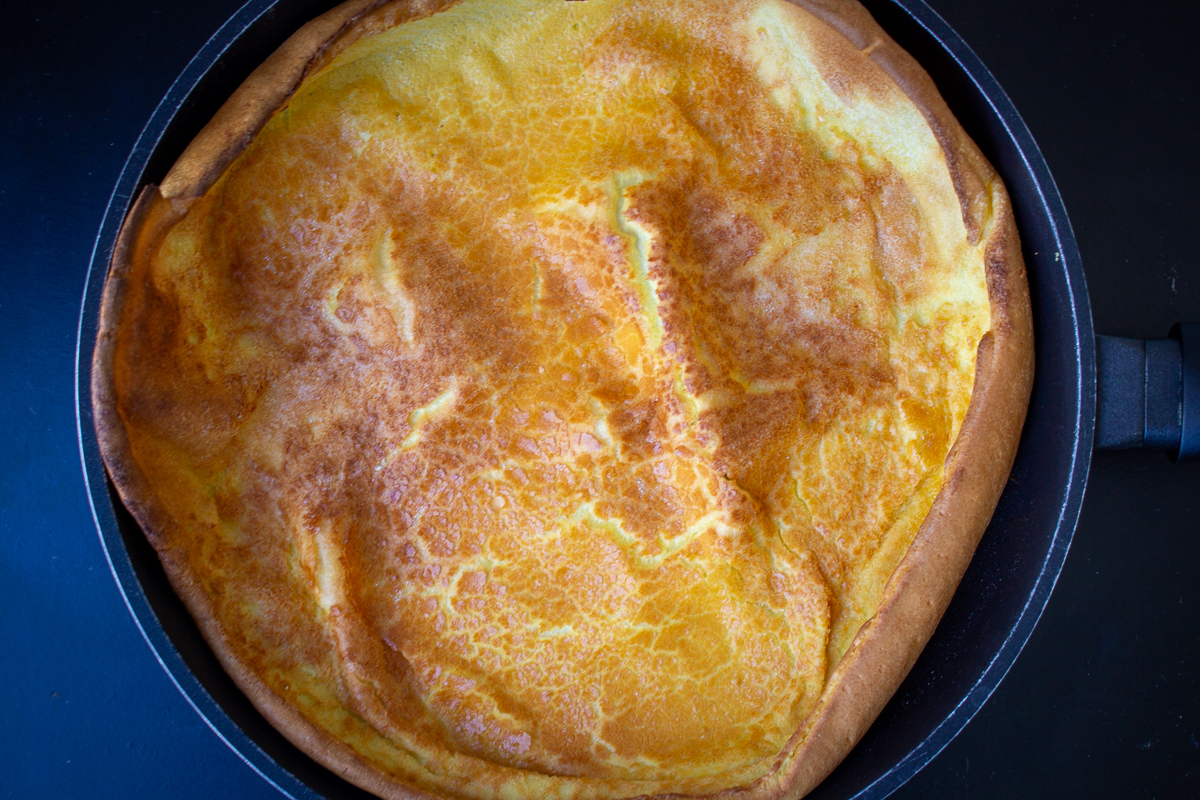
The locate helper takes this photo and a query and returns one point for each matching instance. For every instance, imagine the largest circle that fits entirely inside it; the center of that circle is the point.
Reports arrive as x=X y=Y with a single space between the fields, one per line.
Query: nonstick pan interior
x=1014 y=569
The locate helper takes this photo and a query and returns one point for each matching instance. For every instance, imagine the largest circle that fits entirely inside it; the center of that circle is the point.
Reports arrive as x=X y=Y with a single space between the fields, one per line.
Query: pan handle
x=1148 y=393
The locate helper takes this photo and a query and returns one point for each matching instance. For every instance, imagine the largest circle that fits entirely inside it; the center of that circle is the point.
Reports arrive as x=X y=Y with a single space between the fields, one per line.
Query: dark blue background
x=1104 y=700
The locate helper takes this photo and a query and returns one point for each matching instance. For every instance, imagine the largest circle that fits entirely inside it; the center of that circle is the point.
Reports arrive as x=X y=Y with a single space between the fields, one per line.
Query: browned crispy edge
x=150 y=217
x=266 y=90
x=977 y=467
x=156 y=209
x=918 y=592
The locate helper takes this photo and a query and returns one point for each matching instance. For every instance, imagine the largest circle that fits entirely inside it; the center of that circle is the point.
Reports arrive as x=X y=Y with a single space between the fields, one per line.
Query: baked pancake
x=600 y=399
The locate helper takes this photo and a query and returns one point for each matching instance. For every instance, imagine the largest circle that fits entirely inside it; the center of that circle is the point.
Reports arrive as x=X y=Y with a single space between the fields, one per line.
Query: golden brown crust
x=979 y=463
x=969 y=169
x=154 y=211
x=920 y=588
x=261 y=95
x=148 y=218
x=268 y=89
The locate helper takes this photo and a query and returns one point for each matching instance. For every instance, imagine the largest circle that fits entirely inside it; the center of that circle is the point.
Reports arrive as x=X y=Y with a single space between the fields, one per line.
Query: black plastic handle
x=1148 y=393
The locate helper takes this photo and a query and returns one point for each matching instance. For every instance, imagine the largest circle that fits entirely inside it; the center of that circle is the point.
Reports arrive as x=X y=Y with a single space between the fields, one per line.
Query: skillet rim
x=200 y=693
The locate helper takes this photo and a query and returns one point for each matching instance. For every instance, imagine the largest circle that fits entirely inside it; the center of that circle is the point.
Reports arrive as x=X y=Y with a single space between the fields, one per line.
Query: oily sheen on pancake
x=578 y=399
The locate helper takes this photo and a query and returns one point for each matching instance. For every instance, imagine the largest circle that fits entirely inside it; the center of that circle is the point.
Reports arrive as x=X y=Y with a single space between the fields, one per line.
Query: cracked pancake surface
x=541 y=402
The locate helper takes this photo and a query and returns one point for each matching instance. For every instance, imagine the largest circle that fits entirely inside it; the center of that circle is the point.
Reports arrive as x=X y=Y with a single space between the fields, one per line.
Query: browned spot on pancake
x=558 y=379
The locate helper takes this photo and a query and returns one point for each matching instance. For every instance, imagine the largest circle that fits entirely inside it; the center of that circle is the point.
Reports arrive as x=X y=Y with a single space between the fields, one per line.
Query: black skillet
x=1013 y=572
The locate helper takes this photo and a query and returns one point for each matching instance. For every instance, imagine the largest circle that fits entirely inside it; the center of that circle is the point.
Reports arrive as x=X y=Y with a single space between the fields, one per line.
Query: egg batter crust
x=576 y=399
